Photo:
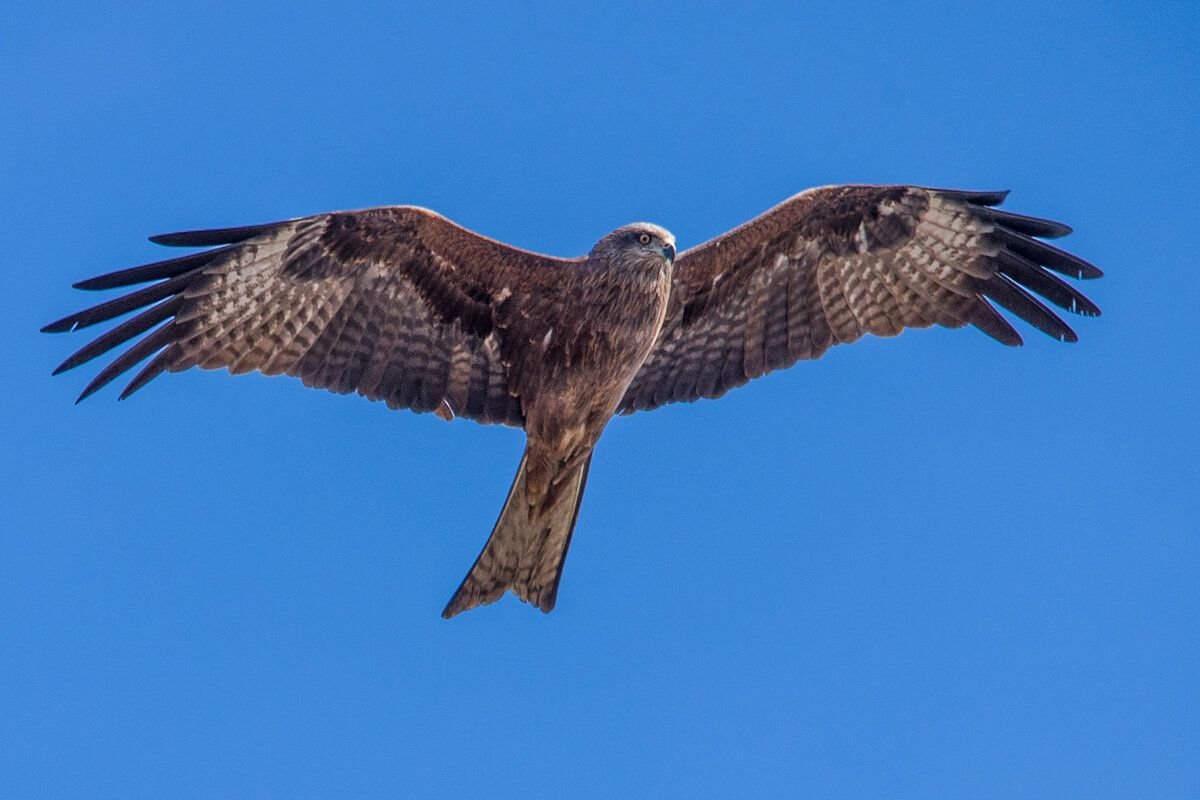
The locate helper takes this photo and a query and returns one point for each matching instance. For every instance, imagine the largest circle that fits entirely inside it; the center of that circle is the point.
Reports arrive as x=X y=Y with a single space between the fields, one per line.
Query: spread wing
x=837 y=262
x=396 y=303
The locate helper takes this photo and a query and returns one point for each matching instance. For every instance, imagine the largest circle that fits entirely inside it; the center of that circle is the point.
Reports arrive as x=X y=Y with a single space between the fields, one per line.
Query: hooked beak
x=669 y=253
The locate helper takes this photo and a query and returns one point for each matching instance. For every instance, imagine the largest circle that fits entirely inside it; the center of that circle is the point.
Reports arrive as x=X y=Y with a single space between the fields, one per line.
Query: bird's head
x=638 y=245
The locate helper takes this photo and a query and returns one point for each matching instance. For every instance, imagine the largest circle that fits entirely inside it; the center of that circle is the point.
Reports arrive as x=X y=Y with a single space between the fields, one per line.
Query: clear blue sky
x=921 y=567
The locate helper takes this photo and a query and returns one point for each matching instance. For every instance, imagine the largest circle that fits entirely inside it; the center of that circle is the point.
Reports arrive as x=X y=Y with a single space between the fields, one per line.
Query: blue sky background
x=920 y=567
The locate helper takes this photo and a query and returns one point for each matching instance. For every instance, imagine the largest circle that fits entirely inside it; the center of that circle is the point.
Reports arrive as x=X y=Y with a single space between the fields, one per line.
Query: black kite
x=401 y=305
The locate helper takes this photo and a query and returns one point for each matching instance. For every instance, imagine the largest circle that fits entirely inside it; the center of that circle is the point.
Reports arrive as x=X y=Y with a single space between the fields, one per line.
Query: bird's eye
x=644 y=238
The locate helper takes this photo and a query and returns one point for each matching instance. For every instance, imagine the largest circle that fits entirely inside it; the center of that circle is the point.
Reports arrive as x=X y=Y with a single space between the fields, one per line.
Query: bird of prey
x=401 y=305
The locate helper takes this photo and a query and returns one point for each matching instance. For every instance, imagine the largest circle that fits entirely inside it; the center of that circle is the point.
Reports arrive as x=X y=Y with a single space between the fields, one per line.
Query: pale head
x=639 y=244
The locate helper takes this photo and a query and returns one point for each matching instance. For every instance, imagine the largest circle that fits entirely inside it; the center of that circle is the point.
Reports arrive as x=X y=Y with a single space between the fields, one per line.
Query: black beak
x=669 y=252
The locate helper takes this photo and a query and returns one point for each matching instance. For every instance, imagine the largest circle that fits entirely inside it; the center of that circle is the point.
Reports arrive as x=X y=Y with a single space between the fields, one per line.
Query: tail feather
x=528 y=545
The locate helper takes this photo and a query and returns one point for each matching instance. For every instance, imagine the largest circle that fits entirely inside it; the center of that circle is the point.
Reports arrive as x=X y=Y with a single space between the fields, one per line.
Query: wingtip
x=975 y=198
x=212 y=236
x=454 y=607
x=98 y=383
x=90 y=284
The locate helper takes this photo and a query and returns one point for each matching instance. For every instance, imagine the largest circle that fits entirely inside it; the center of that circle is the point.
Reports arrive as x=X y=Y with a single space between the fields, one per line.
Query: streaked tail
x=528 y=546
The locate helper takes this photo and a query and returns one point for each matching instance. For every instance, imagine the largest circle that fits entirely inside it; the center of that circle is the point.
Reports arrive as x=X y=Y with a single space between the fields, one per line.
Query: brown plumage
x=401 y=305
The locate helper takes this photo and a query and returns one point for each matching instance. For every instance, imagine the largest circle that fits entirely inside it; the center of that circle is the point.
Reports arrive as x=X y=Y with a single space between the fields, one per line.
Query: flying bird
x=401 y=305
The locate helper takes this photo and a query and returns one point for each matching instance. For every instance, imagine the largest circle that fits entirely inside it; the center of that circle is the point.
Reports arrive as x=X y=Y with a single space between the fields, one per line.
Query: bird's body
x=593 y=337
x=399 y=304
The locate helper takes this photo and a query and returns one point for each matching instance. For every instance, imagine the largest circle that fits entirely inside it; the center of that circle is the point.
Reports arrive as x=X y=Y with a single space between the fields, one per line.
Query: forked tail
x=526 y=550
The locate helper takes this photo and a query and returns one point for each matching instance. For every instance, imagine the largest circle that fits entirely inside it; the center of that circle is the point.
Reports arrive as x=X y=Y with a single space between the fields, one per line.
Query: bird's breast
x=605 y=329
x=629 y=308
x=588 y=350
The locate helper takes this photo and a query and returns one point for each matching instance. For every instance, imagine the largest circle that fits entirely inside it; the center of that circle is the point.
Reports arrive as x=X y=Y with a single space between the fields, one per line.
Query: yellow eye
x=644 y=238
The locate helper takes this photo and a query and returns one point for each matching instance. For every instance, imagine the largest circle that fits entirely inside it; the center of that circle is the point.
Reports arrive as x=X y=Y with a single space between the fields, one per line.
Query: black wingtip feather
x=167 y=279
x=991 y=322
x=151 y=272
x=1049 y=286
x=151 y=371
x=212 y=236
x=59 y=326
x=1030 y=226
x=121 y=305
x=121 y=334
x=1047 y=255
x=139 y=352
x=976 y=198
x=1010 y=295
